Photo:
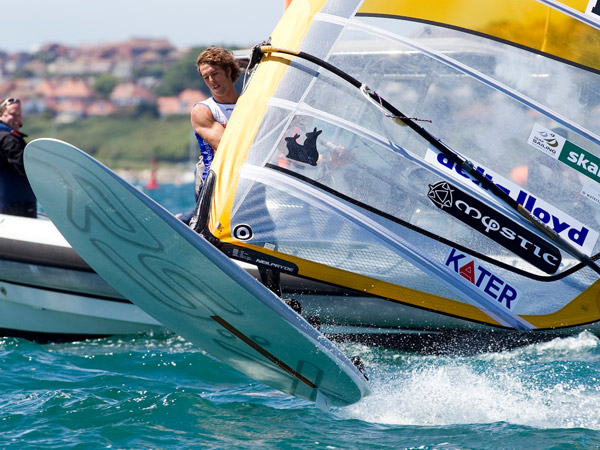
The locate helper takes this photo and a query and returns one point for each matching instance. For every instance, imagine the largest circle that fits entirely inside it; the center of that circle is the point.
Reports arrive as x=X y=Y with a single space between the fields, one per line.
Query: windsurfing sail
x=443 y=154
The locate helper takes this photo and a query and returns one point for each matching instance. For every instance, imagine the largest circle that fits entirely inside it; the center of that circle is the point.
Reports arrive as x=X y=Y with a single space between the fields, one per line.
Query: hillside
x=122 y=142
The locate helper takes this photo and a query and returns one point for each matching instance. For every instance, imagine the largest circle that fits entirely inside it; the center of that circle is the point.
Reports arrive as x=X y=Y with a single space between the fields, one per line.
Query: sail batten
x=303 y=109
x=565 y=37
x=589 y=19
x=485 y=79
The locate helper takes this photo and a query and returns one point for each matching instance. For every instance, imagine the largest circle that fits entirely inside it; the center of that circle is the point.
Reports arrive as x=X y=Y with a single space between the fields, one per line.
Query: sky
x=184 y=23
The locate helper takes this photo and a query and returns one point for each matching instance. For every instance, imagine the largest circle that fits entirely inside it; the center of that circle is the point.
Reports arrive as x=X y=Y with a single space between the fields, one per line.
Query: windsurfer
x=16 y=196
x=219 y=70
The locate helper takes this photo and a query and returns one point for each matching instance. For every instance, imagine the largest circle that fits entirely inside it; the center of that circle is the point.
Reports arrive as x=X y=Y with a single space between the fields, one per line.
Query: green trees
x=182 y=75
x=104 y=84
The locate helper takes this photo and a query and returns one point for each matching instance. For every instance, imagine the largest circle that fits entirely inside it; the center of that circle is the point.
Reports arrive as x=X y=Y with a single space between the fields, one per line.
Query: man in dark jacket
x=16 y=196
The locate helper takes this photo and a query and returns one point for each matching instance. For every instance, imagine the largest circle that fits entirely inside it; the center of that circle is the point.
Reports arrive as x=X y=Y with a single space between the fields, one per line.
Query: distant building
x=192 y=96
x=69 y=110
x=26 y=90
x=16 y=62
x=130 y=94
x=60 y=78
x=74 y=88
x=69 y=98
x=101 y=108
x=181 y=104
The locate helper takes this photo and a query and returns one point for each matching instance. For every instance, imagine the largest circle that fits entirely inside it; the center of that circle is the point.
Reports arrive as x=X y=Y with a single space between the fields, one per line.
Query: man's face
x=218 y=81
x=12 y=116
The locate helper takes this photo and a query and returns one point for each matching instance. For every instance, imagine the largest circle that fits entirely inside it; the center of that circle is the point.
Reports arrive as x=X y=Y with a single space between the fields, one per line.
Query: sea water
x=161 y=392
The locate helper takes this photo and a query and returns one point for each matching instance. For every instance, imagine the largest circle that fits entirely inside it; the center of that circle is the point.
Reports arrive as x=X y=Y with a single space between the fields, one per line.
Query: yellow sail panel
x=250 y=109
x=584 y=309
x=527 y=23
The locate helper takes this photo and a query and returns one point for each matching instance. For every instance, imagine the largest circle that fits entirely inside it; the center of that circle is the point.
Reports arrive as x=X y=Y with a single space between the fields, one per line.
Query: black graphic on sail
x=496 y=226
x=441 y=194
x=306 y=152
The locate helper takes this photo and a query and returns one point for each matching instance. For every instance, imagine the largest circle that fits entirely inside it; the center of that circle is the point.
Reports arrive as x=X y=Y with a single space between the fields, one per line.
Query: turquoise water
x=160 y=392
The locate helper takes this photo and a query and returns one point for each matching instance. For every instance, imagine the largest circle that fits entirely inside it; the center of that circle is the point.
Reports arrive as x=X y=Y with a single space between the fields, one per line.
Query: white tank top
x=221 y=113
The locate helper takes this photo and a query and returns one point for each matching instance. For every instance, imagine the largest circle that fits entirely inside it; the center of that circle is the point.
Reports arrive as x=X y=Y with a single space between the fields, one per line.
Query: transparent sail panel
x=509 y=110
x=490 y=102
x=292 y=219
x=332 y=180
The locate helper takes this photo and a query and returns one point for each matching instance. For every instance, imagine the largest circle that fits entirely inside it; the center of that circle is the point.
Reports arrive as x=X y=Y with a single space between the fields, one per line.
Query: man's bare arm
x=206 y=126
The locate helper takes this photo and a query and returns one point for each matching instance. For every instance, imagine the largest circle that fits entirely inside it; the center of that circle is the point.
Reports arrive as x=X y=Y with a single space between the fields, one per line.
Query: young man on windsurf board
x=219 y=70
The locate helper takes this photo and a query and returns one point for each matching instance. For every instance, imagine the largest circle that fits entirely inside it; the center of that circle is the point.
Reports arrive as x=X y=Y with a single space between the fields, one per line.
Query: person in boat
x=16 y=196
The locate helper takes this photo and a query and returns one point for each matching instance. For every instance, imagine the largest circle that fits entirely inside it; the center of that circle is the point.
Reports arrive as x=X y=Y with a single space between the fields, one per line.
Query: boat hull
x=45 y=315
x=47 y=293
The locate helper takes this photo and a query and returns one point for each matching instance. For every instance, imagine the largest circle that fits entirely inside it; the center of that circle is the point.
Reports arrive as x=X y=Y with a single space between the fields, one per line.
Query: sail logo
x=547 y=141
x=565 y=151
x=306 y=152
x=441 y=195
x=581 y=160
x=593 y=7
x=591 y=191
x=490 y=284
x=496 y=226
x=580 y=236
x=256 y=258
